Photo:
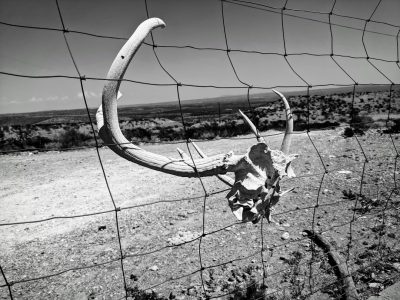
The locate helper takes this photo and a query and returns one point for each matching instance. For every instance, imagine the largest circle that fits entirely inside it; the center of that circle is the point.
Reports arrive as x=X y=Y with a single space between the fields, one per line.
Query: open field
x=162 y=219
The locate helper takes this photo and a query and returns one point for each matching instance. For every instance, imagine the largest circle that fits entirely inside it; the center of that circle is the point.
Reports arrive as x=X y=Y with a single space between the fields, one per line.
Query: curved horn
x=100 y=117
x=253 y=128
x=111 y=132
x=289 y=124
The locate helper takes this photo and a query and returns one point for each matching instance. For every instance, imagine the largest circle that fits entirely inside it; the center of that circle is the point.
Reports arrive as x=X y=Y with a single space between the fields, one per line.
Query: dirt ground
x=163 y=218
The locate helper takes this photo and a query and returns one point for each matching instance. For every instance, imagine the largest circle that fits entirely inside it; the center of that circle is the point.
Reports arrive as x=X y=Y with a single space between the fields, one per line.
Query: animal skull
x=255 y=188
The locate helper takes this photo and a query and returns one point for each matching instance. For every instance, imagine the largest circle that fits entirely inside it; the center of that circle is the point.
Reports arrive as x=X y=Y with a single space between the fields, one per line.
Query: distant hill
x=170 y=110
x=206 y=119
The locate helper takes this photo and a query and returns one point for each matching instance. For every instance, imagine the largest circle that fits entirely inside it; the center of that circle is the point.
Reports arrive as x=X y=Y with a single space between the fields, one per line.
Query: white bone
x=289 y=124
x=183 y=154
x=257 y=172
x=224 y=178
x=253 y=127
x=99 y=114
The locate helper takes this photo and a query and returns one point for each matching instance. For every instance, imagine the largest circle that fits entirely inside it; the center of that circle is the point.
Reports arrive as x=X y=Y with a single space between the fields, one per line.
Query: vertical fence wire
x=116 y=209
x=178 y=85
x=191 y=158
x=7 y=284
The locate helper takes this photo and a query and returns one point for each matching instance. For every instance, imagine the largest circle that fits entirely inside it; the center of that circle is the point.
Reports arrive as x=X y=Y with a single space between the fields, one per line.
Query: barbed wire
x=245 y=86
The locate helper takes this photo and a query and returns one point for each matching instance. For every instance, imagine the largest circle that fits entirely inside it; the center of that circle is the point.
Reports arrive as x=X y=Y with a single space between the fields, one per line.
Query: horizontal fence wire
x=131 y=255
x=323 y=173
x=183 y=84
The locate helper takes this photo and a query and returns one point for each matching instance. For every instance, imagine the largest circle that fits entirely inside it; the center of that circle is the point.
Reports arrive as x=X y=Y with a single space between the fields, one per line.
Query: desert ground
x=182 y=244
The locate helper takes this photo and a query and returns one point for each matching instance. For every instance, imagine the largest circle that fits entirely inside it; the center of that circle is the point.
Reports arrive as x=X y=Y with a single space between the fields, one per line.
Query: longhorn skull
x=255 y=188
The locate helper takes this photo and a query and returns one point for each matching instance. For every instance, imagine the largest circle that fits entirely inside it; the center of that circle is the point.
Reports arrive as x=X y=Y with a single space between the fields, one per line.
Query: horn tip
x=159 y=22
x=277 y=92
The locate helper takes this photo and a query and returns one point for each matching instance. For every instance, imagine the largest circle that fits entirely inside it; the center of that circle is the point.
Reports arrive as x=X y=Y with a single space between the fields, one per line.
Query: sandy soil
x=63 y=184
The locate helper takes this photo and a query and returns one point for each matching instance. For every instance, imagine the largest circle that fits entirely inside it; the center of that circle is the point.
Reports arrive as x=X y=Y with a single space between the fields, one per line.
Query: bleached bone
x=257 y=172
x=287 y=138
x=253 y=128
x=230 y=182
x=99 y=113
x=224 y=178
x=183 y=154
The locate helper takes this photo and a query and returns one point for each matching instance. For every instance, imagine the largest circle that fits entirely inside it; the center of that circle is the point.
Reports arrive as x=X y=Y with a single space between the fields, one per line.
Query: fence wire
x=284 y=12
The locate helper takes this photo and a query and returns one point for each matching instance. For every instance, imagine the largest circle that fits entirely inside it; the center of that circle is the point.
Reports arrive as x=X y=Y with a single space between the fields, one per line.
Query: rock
x=397 y=266
x=374 y=285
x=285 y=236
x=102 y=227
x=344 y=172
x=270 y=291
x=192 y=291
x=155 y=295
x=153 y=268
x=217 y=289
x=325 y=191
x=81 y=296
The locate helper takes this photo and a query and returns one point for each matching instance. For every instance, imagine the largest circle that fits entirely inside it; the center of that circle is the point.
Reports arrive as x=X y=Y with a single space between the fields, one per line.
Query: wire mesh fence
x=231 y=259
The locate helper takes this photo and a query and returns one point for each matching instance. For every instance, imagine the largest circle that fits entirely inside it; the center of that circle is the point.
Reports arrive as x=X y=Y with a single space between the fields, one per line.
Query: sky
x=196 y=23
